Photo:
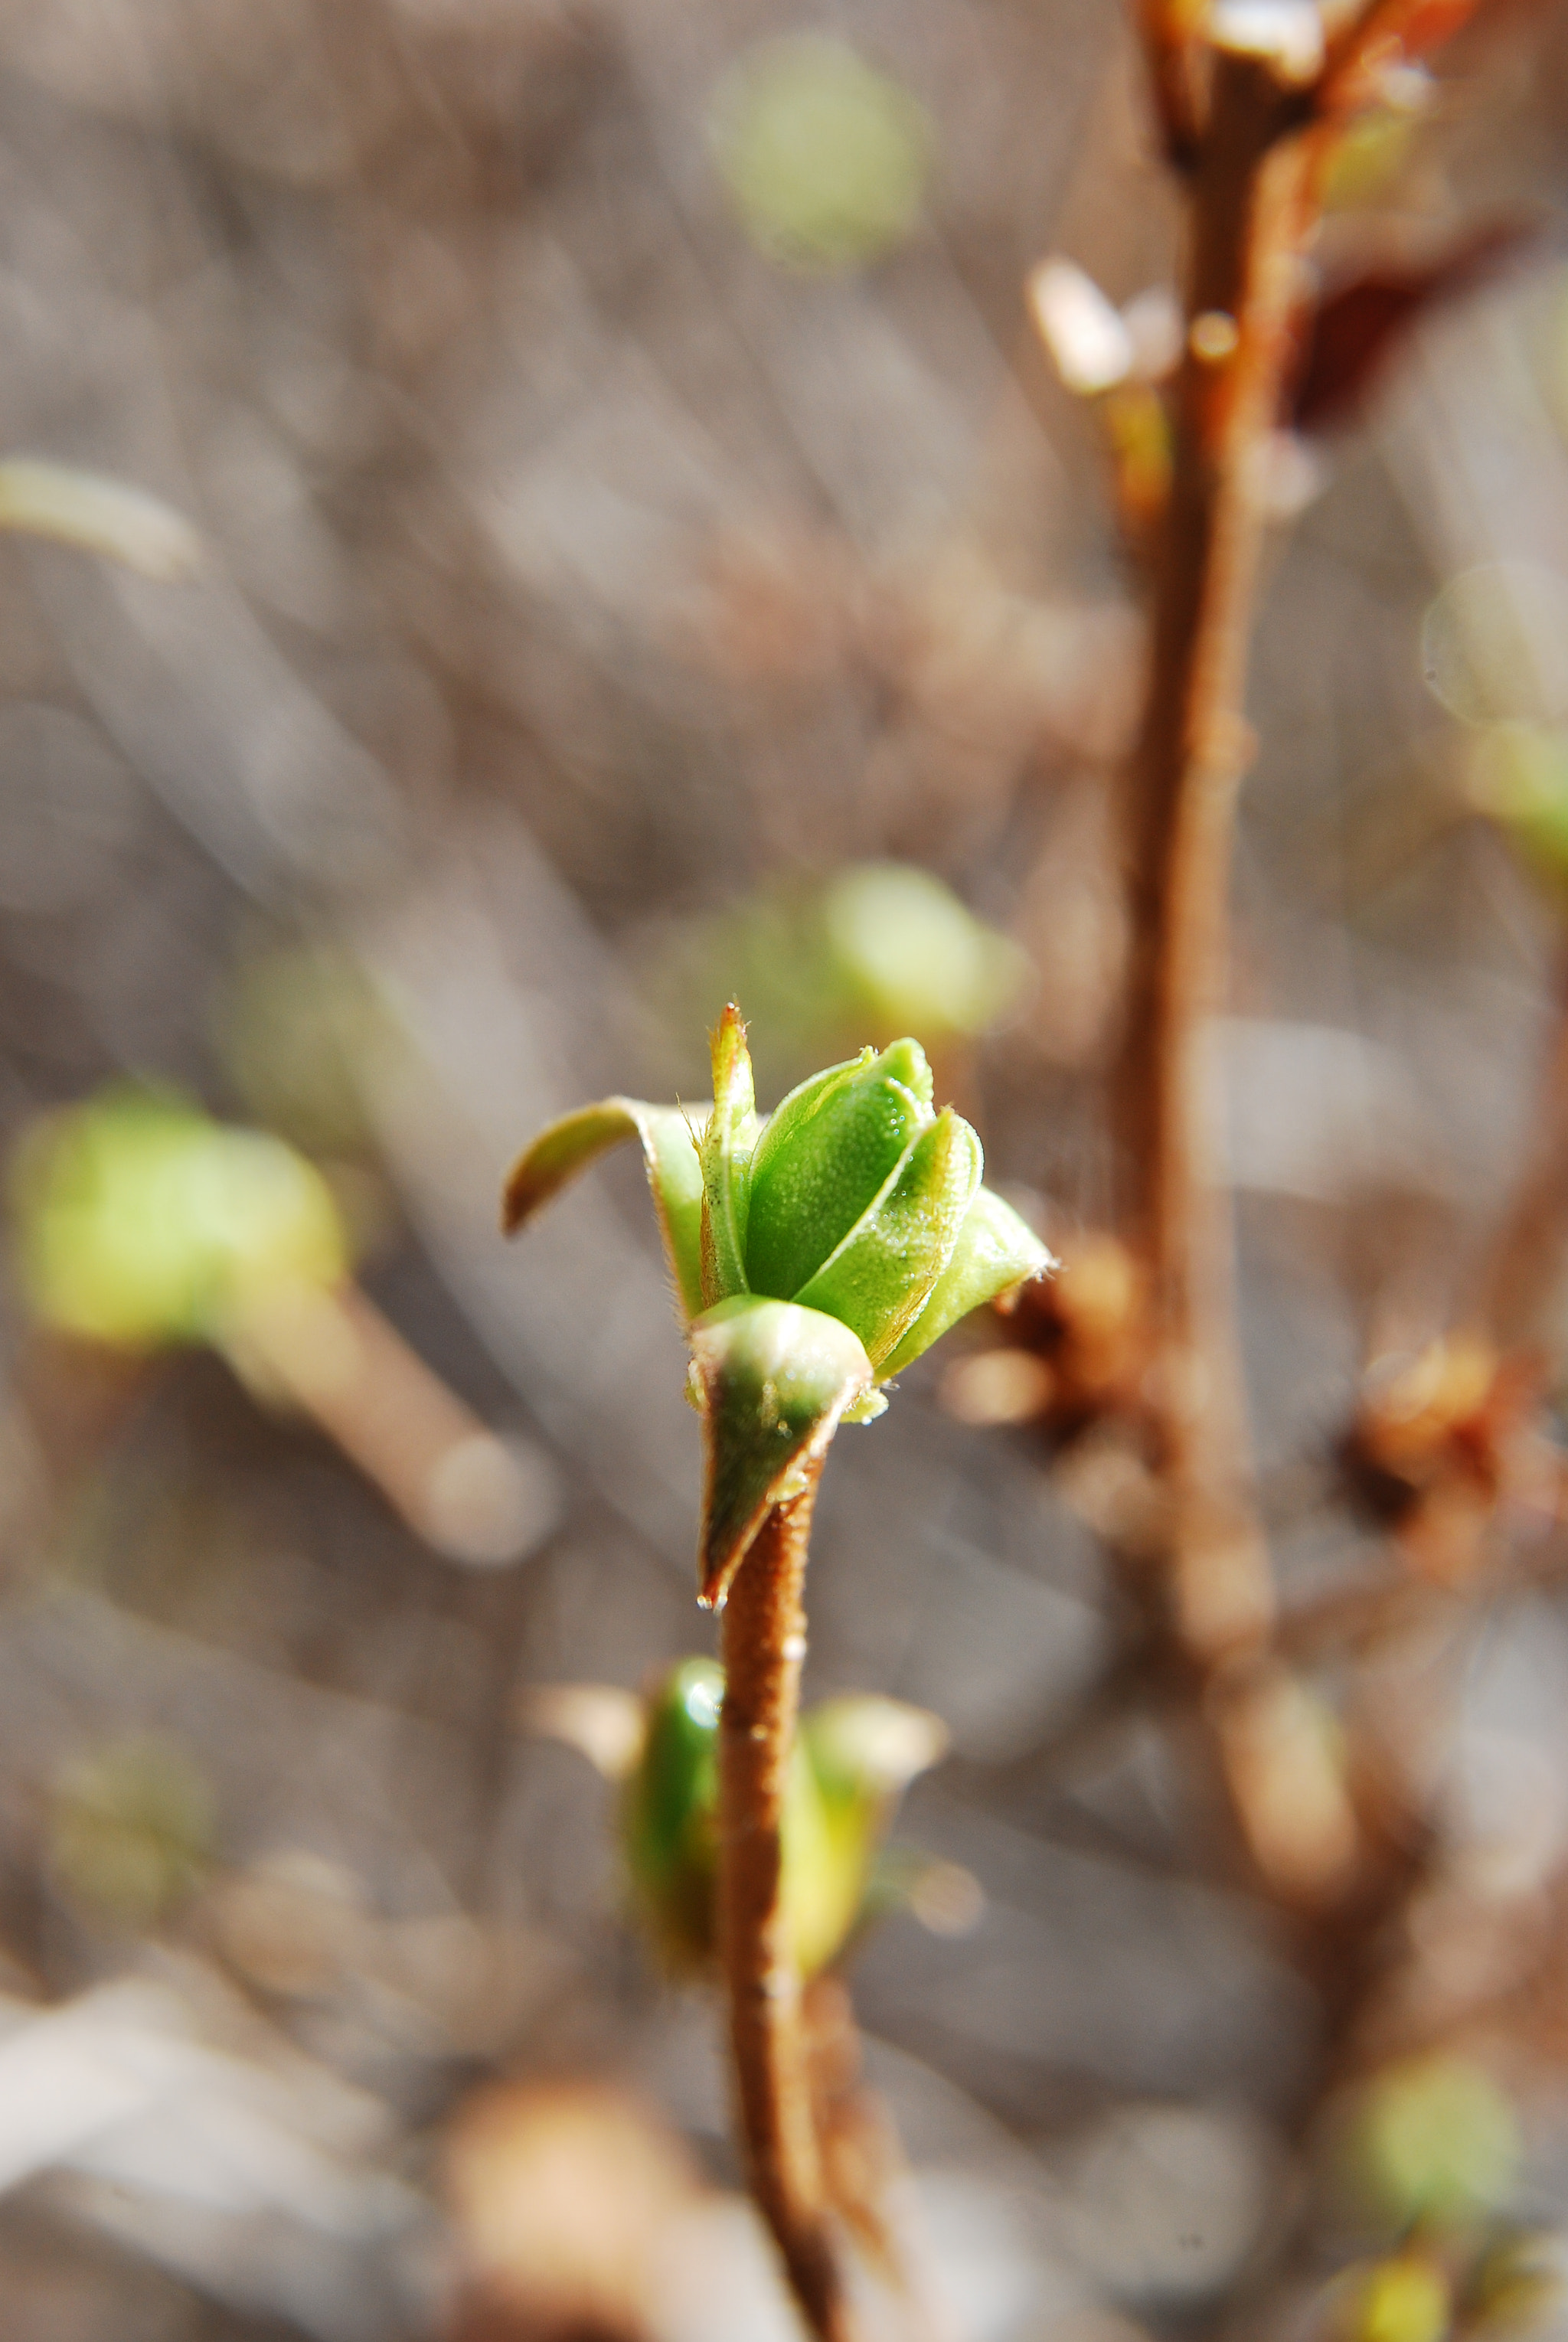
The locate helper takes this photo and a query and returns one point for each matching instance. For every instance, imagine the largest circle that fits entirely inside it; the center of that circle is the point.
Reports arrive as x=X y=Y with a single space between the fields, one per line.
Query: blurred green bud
x=140 y=1221
x=1434 y=2143
x=826 y=159
x=868 y=952
x=813 y=1258
x=132 y=1829
x=852 y=1760
x=915 y=954
x=1519 y=776
x=862 y=1753
x=669 y=1815
x=1405 y=2299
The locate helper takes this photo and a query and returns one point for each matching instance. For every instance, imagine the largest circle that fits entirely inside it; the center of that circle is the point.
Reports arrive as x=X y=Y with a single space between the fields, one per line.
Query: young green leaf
x=824 y=1158
x=880 y=1276
x=994 y=1252
x=725 y=1152
x=773 y=1381
x=670 y=1156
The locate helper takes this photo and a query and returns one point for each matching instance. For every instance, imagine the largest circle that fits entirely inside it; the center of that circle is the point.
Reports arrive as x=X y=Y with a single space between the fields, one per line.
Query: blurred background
x=622 y=538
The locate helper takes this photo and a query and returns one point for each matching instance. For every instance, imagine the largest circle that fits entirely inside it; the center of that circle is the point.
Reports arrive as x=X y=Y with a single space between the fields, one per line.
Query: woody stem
x=763 y=1646
x=1251 y=202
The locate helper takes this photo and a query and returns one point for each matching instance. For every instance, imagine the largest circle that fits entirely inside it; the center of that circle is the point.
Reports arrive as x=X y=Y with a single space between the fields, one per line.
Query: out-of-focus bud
x=669 y=1813
x=853 y=1758
x=1286 y=34
x=1440 y=1440
x=1518 y=777
x=132 y=1829
x=140 y=1222
x=564 y=2198
x=827 y=158
x=1433 y=2143
x=862 y=1753
x=1086 y=336
x=1077 y=1349
x=832 y=1249
x=1404 y=2299
x=1139 y=429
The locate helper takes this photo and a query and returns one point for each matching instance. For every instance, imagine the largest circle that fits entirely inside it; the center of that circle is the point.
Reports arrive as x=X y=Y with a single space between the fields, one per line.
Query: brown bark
x=763 y=1646
x=1252 y=205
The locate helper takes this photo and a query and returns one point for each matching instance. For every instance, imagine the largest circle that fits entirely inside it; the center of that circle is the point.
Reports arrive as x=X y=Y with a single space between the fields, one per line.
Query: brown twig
x=1168 y=48
x=1253 y=196
x=763 y=1646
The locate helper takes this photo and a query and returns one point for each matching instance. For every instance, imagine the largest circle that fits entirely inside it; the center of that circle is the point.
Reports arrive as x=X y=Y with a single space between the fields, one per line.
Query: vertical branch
x=763 y=1646
x=1251 y=205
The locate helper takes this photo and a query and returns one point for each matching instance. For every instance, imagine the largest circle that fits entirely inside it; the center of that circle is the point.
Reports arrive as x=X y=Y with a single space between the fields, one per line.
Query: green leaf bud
x=996 y=1251
x=881 y=1276
x=813 y=1260
x=725 y=1157
x=823 y=1158
x=773 y=1380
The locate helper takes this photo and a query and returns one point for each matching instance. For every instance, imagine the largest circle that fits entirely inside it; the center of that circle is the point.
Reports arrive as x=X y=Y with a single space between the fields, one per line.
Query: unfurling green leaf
x=774 y=1380
x=725 y=1154
x=669 y=1152
x=996 y=1252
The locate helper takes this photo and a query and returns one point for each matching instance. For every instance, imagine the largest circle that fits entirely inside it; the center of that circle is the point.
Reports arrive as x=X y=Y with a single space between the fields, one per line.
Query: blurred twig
x=1251 y=205
x=763 y=1634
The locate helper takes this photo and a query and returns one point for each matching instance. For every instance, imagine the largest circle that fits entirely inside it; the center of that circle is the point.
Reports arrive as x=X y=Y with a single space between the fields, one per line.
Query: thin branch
x=1253 y=204
x=763 y=1646
x=1169 y=51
